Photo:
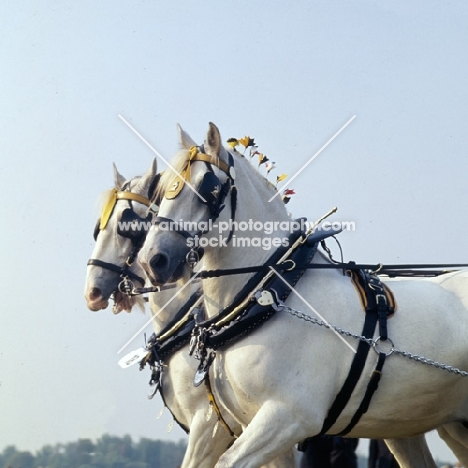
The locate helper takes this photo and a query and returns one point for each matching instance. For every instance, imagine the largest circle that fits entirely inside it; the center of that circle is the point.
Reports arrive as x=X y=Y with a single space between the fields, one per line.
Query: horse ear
x=185 y=139
x=213 y=144
x=146 y=179
x=213 y=140
x=119 y=179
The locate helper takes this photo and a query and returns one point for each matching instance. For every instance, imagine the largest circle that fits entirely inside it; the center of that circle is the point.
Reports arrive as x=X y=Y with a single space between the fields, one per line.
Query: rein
x=388 y=270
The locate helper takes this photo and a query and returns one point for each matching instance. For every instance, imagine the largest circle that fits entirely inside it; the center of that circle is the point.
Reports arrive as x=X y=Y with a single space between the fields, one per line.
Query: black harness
x=193 y=326
x=227 y=326
x=238 y=320
x=377 y=311
x=167 y=342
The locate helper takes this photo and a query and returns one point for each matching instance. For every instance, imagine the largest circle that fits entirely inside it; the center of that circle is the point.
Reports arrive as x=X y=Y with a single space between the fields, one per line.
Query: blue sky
x=289 y=74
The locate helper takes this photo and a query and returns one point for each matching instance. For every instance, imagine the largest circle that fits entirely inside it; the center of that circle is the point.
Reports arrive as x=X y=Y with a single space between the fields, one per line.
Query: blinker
x=132 y=226
x=196 y=155
x=178 y=183
x=110 y=199
x=209 y=189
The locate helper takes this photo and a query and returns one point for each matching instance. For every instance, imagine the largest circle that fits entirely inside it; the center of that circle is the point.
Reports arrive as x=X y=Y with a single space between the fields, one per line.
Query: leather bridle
x=212 y=193
x=124 y=271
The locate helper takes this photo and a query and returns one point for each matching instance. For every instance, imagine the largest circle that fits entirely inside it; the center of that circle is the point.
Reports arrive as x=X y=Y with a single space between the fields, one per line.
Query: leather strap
x=214 y=405
x=255 y=314
x=250 y=284
x=371 y=388
x=112 y=196
x=133 y=196
x=216 y=162
x=389 y=270
x=354 y=374
x=117 y=269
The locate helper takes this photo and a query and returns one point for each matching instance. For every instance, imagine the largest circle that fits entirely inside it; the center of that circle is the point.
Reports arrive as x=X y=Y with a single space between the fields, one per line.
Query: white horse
x=280 y=380
x=189 y=405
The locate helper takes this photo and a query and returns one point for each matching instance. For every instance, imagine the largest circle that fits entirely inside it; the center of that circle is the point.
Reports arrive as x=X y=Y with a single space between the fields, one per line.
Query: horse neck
x=253 y=194
x=166 y=304
x=160 y=312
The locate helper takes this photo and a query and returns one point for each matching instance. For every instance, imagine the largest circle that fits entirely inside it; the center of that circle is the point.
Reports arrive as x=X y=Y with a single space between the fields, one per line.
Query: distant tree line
x=107 y=452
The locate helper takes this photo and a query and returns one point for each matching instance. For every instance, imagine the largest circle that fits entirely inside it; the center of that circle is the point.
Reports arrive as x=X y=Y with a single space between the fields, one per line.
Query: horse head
x=196 y=193
x=126 y=211
x=199 y=208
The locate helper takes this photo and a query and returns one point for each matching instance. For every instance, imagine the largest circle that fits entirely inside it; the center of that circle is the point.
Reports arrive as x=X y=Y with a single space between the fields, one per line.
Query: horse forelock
x=132 y=185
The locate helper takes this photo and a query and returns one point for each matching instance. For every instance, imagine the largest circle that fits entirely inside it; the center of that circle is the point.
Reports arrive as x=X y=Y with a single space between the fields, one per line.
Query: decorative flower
x=287 y=194
x=247 y=141
x=233 y=142
x=269 y=166
x=280 y=178
x=262 y=159
x=253 y=151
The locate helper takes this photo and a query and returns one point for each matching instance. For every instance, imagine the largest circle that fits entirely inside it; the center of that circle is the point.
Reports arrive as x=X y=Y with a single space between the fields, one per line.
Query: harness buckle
x=192 y=258
x=381 y=299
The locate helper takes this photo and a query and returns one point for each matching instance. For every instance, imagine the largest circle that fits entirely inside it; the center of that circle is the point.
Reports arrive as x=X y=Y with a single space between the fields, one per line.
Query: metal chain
x=430 y=362
x=371 y=342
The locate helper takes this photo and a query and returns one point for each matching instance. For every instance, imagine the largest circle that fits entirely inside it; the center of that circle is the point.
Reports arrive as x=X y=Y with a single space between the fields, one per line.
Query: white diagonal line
x=153 y=317
x=314 y=156
x=156 y=152
x=299 y=295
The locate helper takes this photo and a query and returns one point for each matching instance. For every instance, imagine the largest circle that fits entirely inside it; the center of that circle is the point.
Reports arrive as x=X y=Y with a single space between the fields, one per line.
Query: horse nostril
x=159 y=262
x=95 y=293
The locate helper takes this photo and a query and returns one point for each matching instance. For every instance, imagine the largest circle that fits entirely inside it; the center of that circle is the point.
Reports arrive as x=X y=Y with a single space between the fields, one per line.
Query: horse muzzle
x=164 y=262
x=95 y=300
